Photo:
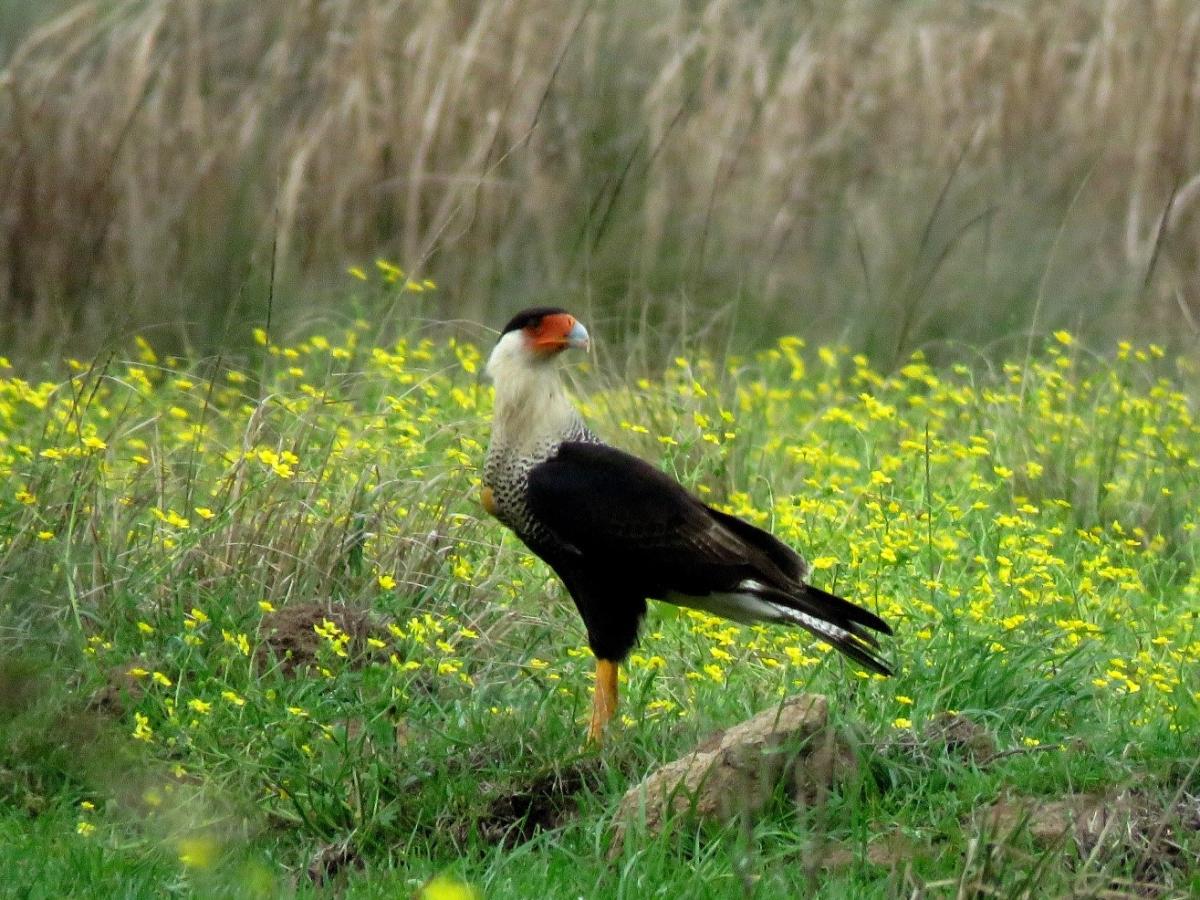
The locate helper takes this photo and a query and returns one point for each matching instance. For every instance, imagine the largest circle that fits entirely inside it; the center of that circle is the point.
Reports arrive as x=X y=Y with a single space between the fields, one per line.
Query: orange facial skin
x=554 y=333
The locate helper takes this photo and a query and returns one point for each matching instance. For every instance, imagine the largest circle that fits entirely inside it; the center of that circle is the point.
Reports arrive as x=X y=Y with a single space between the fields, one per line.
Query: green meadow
x=260 y=639
x=914 y=285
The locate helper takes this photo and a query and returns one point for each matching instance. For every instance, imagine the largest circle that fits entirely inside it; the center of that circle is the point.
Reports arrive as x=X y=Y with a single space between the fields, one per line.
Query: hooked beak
x=578 y=337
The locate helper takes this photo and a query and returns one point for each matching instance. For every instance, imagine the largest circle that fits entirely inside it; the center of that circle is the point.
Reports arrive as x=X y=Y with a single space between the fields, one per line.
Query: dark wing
x=625 y=520
x=609 y=505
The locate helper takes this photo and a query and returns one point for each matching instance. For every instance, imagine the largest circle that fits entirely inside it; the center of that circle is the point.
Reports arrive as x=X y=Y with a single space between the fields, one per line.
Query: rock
x=738 y=770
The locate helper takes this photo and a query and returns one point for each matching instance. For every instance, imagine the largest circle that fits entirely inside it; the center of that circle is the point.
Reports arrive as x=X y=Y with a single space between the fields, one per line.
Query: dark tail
x=839 y=623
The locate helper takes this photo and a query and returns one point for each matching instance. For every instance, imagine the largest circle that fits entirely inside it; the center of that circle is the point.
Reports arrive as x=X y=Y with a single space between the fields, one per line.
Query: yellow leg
x=604 y=701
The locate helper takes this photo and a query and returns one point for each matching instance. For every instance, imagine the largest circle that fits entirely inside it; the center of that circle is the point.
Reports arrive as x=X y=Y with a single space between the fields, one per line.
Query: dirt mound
x=120 y=690
x=289 y=636
x=738 y=770
x=947 y=734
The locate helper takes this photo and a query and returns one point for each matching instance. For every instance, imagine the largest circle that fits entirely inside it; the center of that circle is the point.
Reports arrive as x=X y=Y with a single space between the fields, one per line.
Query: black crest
x=530 y=316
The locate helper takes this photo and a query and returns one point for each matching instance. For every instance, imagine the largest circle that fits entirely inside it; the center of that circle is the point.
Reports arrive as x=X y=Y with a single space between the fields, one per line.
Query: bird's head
x=532 y=339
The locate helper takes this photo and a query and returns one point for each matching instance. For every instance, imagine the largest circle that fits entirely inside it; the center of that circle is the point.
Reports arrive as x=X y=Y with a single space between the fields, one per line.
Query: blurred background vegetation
x=891 y=174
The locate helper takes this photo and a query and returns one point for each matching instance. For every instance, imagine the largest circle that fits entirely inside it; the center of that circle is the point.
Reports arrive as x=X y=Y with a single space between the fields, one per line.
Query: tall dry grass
x=892 y=173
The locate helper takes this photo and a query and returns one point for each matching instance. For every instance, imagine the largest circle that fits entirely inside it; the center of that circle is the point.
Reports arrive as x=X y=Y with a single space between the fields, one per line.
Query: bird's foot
x=604 y=700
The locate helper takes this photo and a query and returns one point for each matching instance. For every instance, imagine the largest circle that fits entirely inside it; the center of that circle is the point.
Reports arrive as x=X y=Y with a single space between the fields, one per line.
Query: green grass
x=171 y=529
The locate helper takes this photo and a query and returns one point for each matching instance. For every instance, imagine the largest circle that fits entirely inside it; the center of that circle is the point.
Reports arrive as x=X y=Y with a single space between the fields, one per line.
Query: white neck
x=531 y=407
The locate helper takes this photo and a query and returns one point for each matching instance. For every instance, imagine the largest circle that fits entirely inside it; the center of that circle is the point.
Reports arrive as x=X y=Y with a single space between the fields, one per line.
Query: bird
x=618 y=531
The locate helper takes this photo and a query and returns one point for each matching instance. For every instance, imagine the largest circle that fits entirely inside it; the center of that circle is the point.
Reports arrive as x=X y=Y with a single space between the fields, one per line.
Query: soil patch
x=889 y=850
x=1132 y=830
x=331 y=861
x=515 y=815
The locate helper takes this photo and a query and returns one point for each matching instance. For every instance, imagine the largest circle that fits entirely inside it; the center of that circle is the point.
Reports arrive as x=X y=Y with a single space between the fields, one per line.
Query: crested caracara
x=617 y=530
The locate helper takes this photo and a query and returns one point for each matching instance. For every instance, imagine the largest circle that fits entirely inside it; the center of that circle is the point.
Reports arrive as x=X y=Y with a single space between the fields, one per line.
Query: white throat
x=531 y=409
